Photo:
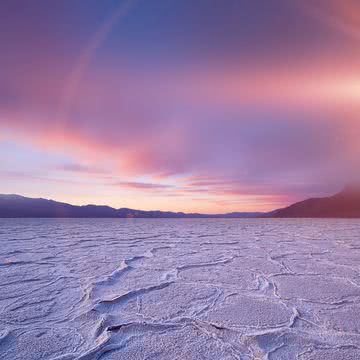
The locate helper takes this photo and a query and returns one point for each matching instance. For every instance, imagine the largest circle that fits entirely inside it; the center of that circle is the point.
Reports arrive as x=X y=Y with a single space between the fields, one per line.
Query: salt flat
x=179 y=289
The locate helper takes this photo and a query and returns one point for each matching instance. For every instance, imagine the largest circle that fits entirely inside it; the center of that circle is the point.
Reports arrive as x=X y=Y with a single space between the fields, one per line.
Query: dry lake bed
x=179 y=289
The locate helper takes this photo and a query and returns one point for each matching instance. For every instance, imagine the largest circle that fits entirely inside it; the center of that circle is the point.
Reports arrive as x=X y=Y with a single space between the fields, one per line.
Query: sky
x=194 y=105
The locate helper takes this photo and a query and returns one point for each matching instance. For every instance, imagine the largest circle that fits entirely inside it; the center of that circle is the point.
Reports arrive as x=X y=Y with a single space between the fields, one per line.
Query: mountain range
x=16 y=206
x=345 y=204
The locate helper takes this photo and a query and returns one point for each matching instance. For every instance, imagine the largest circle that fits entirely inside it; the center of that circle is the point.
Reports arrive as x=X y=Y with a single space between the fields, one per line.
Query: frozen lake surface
x=179 y=289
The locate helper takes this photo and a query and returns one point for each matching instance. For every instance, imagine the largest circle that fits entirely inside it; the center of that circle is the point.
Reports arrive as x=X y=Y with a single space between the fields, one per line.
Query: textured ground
x=179 y=289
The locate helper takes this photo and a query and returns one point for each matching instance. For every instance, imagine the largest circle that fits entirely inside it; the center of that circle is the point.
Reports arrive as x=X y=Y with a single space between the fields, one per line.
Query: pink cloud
x=79 y=168
x=177 y=122
x=142 y=186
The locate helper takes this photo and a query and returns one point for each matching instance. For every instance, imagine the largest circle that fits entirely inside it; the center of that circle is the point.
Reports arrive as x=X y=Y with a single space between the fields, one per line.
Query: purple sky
x=202 y=105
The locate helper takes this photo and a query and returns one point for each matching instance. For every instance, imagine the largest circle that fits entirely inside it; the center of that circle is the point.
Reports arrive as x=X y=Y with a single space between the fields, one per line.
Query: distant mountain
x=16 y=206
x=345 y=204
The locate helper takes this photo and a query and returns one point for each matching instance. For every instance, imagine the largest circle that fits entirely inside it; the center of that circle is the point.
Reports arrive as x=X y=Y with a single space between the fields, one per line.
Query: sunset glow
x=176 y=106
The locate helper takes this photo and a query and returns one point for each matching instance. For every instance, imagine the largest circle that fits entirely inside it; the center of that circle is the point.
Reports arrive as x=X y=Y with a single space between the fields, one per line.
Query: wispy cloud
x=79 y=168
x=142 y=186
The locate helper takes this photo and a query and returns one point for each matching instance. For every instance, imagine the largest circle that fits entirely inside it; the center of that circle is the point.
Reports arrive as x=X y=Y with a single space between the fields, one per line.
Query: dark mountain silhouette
x=16 y=206
x=345 y=204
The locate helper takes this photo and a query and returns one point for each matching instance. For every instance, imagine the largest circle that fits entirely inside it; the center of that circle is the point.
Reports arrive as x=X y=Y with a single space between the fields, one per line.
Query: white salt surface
x=179 y=289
